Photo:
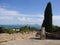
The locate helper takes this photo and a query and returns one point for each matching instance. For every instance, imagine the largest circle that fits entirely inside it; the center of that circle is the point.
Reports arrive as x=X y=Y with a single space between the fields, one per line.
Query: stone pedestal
x=43 y=35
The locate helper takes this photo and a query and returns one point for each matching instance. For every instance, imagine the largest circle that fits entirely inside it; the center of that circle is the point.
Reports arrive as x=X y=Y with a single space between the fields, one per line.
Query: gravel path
x=32 y=42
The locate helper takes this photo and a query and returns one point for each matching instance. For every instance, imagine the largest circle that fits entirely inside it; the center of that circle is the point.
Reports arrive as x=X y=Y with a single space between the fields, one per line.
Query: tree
x=47 y=23
x=2 y=30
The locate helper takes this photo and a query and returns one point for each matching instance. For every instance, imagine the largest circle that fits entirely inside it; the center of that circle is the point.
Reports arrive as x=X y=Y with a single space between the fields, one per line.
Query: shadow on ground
x=36 y=38
x=46 y=38
x=52 y=38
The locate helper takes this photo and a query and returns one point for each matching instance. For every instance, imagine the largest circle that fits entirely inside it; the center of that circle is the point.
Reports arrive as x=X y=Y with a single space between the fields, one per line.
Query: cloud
x=15 y=17
x=8 y=12
x=30 y=20
x=22 y=19
x=56 y=20
x=56 y=17
x=6 y=17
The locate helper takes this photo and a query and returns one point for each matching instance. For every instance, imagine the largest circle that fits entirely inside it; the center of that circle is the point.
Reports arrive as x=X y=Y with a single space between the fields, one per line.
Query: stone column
x=43 y=35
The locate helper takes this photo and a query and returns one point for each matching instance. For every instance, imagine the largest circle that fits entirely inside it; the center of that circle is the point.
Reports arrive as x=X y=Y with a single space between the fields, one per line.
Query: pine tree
x=47 y=23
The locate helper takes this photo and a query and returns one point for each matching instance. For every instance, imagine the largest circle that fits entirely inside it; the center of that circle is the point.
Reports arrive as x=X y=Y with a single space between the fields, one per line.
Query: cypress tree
x=47 y=22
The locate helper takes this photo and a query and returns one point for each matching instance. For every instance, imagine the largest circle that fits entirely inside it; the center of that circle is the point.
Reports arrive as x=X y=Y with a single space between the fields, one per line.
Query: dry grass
x=16 y=36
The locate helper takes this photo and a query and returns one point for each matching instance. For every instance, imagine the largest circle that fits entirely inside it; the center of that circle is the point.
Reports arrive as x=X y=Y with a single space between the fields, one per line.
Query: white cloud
x=56 y=20
x=56 y=17
x=5 y=17
x=22 y=19
x=8 y=12
x=14 y=17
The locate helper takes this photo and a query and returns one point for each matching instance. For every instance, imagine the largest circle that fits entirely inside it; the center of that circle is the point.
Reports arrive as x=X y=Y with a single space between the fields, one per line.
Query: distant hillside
x=19 y=26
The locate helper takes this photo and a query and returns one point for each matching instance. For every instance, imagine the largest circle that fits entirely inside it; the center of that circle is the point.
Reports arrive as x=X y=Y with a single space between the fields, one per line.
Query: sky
x=16 y=12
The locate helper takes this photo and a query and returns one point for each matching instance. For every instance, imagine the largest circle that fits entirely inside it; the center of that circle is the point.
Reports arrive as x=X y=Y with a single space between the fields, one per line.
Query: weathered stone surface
x=54 y=35
x=43 y=36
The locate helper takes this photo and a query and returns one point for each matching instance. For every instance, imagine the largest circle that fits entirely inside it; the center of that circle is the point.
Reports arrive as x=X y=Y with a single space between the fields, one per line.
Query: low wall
x=55 y=35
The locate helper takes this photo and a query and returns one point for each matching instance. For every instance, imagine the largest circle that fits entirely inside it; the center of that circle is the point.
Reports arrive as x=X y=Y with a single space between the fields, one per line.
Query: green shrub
x=10 y=31
x=27 y=29
x=4 y=30
x=55 y=28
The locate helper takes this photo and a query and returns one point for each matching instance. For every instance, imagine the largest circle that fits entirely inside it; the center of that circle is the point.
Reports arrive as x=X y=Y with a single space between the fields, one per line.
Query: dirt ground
x=25 y=39
x=32 y=42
